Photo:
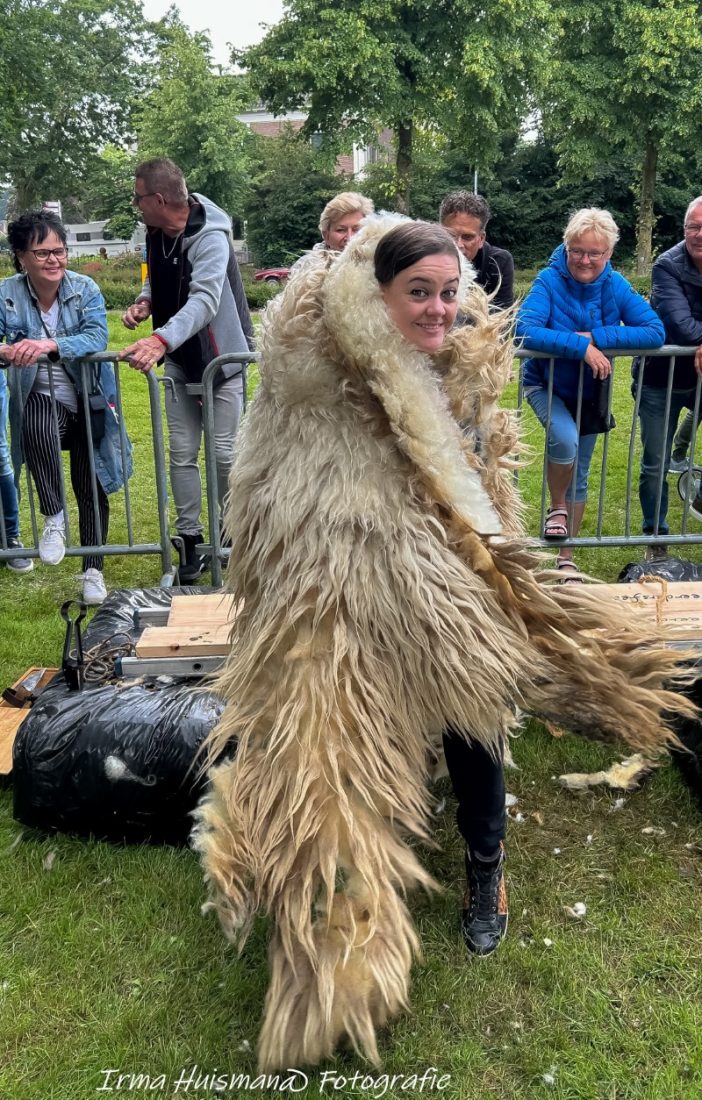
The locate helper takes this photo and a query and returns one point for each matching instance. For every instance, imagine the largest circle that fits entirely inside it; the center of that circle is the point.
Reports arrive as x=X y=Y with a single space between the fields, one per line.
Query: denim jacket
x=82 y=329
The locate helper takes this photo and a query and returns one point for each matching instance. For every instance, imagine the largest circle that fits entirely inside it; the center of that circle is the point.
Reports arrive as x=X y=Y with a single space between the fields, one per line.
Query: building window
x=82 y=236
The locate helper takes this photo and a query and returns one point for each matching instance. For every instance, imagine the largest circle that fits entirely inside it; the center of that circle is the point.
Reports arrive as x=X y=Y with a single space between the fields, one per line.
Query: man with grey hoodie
x=194 y=294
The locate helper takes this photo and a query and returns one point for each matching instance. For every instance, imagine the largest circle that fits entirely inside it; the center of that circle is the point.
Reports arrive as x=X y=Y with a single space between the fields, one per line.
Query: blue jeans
x=563 y=439
x=8 y=493
x=657 y=442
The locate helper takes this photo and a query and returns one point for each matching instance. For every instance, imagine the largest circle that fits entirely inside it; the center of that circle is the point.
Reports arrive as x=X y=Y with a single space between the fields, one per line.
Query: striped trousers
x=44 y=460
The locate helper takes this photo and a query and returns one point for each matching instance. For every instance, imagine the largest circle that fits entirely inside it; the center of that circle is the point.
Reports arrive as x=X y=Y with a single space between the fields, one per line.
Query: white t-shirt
x=64 y=389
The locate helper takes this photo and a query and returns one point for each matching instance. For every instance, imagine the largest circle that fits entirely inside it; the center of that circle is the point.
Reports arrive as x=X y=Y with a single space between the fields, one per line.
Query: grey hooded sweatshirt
x=195 y=291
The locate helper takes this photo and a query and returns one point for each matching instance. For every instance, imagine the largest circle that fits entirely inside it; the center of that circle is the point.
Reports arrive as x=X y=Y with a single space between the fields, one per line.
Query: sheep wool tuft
x=386 y=589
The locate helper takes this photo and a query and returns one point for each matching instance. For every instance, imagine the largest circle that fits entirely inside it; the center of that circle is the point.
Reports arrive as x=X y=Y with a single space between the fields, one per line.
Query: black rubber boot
x=484 y=920
x=195 y=564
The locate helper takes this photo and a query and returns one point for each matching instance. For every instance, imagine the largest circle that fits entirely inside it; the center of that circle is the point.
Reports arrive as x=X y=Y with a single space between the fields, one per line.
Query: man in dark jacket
x=466 y=217
x=196 y=299
x=676 y=295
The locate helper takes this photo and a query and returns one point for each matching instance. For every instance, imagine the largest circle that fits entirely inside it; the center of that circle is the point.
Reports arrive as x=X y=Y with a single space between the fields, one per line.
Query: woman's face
x=47 y=269
x=587 y=256
x=422 y=300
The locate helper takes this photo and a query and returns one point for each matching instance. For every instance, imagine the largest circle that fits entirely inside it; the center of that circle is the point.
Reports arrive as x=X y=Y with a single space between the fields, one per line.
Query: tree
x=107 y=194
x=625 y=83
x=291 y=184
x=190 y=116
x=69 y=71
x=456 y=65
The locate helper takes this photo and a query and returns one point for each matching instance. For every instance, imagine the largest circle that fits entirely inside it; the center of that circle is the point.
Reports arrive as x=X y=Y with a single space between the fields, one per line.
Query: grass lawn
x=106 y=962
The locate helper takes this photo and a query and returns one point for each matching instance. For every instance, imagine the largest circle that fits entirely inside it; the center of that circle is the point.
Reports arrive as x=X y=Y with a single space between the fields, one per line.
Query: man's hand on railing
x=136 y=313
x=698 y=360
x=25 y=353
x=599 y=364
x=144 y=354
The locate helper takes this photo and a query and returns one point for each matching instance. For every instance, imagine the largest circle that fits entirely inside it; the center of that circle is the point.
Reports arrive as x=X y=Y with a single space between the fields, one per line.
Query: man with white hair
x=339 y=221
x=676 y=295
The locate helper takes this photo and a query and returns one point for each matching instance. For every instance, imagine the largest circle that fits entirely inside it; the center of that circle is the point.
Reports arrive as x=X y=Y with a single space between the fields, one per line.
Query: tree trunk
x=403 y=164
x=644 y=229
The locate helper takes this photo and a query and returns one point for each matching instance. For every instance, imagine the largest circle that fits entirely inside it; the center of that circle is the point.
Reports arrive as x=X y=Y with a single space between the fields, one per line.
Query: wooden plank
x=675 y=606
x=184 y=641
x=212 y=609
x=11 y=718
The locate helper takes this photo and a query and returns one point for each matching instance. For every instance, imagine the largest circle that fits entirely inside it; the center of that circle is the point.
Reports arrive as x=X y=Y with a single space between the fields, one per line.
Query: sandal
x=556 y=525
x=570 y=571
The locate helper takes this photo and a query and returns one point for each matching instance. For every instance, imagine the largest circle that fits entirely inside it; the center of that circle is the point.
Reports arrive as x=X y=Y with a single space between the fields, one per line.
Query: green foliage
x=291 y=184
x=69 y=71
x=107 y=193
x=456 y=65
x=624 y=83
x=190 y=116
x=119 y=228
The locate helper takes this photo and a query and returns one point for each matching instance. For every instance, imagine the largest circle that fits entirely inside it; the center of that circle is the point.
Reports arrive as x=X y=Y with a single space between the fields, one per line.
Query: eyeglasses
x=693 y=229
x=581 y=253
x=136 y=197
x=44 y=253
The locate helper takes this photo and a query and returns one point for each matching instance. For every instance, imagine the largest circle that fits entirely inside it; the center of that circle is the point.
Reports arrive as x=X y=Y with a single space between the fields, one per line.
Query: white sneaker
x=52 y=542
x=94 y=591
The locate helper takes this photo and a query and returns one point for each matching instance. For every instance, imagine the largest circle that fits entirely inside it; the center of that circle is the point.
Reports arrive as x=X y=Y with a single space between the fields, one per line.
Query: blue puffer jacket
x=82 y=329
x=558 y=307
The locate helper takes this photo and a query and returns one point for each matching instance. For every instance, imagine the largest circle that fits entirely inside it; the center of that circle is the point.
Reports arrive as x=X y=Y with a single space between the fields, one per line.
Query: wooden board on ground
x=211 y=609
x=11 y=718
x=675 y=606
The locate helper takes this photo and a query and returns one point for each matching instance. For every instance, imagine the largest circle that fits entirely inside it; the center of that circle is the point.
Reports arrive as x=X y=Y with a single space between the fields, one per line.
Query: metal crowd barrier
x=686 y=481
x=605 y=533
x=206 y=389
x=134 y=545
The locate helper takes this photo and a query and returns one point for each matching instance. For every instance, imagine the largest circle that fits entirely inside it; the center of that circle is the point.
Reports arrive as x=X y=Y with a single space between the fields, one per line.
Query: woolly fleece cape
x=386 y=590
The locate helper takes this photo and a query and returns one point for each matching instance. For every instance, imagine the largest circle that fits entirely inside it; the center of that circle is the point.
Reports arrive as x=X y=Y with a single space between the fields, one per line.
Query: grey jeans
x=184 y=416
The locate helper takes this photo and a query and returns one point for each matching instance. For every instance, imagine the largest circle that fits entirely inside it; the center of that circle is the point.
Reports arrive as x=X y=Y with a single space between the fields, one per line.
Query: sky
x=236 y=22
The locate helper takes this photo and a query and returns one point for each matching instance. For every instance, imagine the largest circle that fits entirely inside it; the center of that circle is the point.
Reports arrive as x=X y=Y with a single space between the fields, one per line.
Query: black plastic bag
x=118 y=760
x=670 y=569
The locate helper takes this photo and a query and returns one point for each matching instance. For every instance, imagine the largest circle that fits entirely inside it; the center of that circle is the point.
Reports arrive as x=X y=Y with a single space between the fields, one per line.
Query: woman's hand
x=26 y=352
x=599 y=364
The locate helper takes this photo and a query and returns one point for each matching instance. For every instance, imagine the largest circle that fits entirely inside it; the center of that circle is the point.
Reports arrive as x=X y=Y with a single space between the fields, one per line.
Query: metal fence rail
x=631 y=533
x=615 y=523
x=134 y=545
x=609 y=498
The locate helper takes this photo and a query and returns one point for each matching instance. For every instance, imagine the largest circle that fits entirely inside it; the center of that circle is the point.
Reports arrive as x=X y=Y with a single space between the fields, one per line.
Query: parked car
x=272 y=275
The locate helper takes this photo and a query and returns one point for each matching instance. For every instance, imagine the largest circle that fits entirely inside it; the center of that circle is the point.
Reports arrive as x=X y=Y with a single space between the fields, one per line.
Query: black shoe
x=484 y=920
x=195 y=564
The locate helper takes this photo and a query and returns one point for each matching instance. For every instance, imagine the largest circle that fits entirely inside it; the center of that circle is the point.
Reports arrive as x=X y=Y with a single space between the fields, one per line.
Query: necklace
x=167 y=255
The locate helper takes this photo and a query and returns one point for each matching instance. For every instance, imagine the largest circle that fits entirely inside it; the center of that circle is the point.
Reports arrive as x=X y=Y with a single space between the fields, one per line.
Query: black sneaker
x=484 y=920
x=18 y=564
x=195 y=564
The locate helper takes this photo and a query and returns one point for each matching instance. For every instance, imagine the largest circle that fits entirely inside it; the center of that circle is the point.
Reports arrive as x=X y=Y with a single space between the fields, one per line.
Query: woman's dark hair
x=33 y=227
x=408 y=243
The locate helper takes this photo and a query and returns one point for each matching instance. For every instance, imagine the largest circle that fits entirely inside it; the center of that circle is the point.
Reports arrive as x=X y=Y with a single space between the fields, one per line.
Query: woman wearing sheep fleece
x=386 y=592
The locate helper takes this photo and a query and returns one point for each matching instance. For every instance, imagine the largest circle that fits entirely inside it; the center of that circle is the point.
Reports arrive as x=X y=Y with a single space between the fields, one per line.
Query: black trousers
x=44 y=459
x=479 y=785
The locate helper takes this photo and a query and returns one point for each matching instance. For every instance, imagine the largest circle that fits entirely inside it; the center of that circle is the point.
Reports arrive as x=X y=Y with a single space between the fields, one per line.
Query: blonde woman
x=577 y=305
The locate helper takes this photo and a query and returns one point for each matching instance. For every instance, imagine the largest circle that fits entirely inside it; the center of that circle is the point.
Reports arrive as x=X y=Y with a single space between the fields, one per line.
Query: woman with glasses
x=577 y=306
x=47 y=311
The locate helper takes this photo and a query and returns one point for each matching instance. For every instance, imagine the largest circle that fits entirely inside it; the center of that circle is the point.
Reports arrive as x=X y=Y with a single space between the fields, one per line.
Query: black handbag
x=595 y=415
x=97 y=405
